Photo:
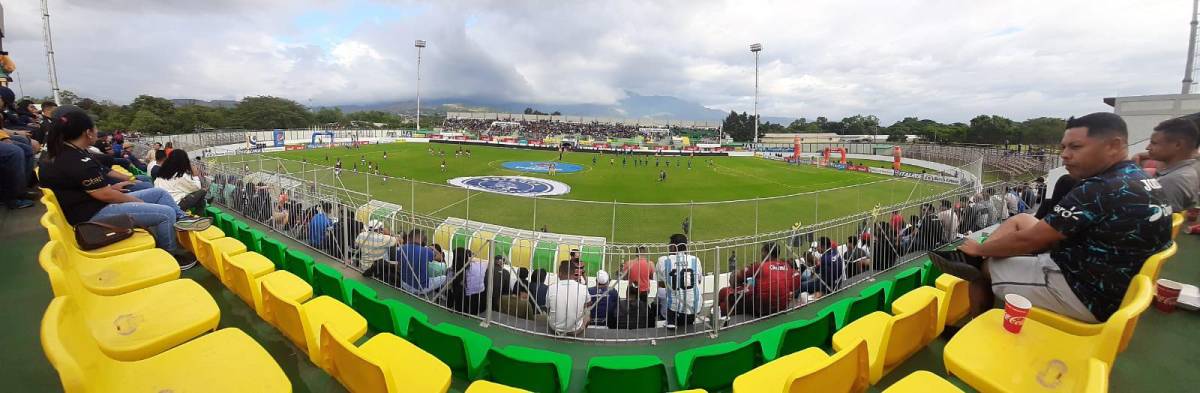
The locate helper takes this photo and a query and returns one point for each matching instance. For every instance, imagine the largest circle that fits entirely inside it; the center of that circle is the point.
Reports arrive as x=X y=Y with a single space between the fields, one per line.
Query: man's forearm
x=1017 y=243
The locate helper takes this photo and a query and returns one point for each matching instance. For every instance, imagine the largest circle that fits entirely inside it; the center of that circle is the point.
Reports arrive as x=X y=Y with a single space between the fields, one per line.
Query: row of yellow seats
x=1051 y=352
x=322 y=327
x=127 y=323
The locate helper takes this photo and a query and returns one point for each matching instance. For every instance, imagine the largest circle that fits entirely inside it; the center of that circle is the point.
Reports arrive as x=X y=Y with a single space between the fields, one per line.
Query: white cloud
x=939 y=59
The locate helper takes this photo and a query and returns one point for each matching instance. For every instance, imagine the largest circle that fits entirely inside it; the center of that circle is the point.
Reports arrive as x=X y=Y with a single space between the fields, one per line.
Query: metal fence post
x=613 y=235
x=490 y=284
x=715 y=312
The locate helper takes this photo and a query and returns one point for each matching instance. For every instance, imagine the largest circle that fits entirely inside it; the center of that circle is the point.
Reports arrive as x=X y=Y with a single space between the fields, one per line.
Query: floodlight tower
x=755 y=48
x=50 y=52
x=1187 y=73
x=419 y=44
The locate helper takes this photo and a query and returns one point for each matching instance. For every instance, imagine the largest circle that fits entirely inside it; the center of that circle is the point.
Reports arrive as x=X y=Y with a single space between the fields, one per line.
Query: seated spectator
x=566 y=302
x=1174 y=144
x=857 y=256
x=633 y=312
x=639 y=271
x=466 y=292
x=152 y=153
x=884 y=248
x=827 y=270
x=12 y=173
x=502 y=280
x=538 y=288
x=279 y=219
x=178 y=178
x=160 y=156
x=949 y=222
x=770 y=283
x=604 y=300
x=517 y=304
x=45 y=122
x=413 y=261
x=681 y=275
x=69 y=170
x=1079 y=260
x=318 y=225
x=373 y=243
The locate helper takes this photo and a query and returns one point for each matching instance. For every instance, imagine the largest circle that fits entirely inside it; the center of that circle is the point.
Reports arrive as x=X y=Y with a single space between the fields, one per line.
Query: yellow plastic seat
x=443 y=234
x=890 y=339
x=483 y=386
x=810 y=370
x=1150 y=270
x=121 y=170
x=991 y=359
x=1176 y=224
x=385 y=363
x=113 y=275
x=243 y=272
x=522 y=253
x=187 y=239
x=922 y=382
x=952 y=298
x=141 y=323
x=57 y=227
x=481 y=244
x=224 y=361
x=204 y=252
x=301 y=323
x=224 y=248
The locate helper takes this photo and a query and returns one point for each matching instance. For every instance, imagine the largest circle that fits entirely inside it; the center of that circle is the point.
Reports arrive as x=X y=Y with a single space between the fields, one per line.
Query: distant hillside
x=211 y=104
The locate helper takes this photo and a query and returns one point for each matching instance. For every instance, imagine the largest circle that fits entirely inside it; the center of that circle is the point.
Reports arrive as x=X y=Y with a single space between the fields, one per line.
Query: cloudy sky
x=943 y=59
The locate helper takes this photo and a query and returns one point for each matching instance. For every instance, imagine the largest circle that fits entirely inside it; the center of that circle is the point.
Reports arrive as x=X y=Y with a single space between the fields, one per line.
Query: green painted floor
x=1156 y=359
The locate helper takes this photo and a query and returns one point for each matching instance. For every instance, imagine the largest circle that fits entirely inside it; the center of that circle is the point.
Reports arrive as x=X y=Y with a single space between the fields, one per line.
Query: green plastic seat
x=274 y=250
x=714 y=367
x=300 y=264
x=593 y=259
x=796 y=336
x=544 y=256
x=388 y=315
x=930 y=275
x=905 y=281
x=212 y=211
x=330 y=282
x=461 y=238
x=251 y=237
x=626 y=374
x=869 y=300
x=502 y=245
x=226 y=224
x=462 y=350
x=528 y=368
x=220 y=220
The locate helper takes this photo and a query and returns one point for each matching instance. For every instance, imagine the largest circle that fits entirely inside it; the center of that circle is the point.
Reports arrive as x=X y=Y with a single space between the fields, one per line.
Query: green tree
x=860 y=125
x=1042 y=130
x=146 y=121
x=266 y=112
x=330 y=115
x=990 y=129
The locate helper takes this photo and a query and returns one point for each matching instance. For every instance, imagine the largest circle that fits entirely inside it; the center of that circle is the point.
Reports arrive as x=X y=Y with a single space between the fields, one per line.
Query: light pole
x=419 y=44
x=755 y=48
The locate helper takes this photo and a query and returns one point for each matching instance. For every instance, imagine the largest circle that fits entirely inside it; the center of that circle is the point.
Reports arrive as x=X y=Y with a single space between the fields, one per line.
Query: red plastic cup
x=1192 y=214
x=1016 y=307
x=1166 y=295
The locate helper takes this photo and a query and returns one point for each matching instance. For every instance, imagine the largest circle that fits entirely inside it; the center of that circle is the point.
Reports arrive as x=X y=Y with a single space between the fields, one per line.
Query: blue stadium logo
x=541 y=166
x=512 y=185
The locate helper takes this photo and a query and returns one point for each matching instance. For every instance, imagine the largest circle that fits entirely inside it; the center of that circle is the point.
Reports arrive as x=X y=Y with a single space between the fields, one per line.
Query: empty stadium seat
x=223 y=361
x=528 y=368
x=250 y=237
x=593 y=258
x=481 y=245
x=989 y=358
x=223 y=249
x=461 y=238
x=301 y=323
x=389 y=315
x=246 y=272
x=626 y=374
x=461 y=349
x=810 y=370
x=227 y=224
x=851 y=309
x=444 y=234
x=193 y=237
x=328 y=281
x=204 y=251
x=274 y=250
x=113 y=275
x=300 y=264
x=904 y=282
x=952 y=297
x=797 y=335
x=482 y=386
x=545 y=256
x=890 y=339
x=140 y=323
x=522 y=253
x=714 y=367
x=385 y=363
x=922 y=382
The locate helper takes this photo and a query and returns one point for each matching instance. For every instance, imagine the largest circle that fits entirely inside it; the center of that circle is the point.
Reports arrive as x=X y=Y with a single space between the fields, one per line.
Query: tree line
x=157 y=115
x=985 y=129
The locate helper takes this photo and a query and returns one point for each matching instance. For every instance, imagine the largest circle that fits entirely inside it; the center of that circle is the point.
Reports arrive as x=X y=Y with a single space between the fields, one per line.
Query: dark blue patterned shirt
x=1113 y=222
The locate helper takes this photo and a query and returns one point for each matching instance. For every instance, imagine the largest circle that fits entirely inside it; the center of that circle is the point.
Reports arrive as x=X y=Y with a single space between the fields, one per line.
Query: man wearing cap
x=604 y=299
x=373 y=244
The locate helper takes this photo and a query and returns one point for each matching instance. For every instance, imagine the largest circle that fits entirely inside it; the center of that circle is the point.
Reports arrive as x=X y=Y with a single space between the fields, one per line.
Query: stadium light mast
x=755 y=48
x=50 y=51
x=1187 y=73
x=419 y=44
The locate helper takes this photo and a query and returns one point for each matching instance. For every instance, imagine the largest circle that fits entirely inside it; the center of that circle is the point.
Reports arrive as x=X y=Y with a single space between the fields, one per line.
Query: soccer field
x=723 y=196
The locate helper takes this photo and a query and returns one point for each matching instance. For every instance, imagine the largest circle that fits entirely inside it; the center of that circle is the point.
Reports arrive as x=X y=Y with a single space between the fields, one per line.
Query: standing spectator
x=1174 y=143
x=372 y=243
x=178 y=178
x=567 y=302
x=949 y=222
x=680 y=274
x=897 y=220
x=639 y=271
x=604 y=300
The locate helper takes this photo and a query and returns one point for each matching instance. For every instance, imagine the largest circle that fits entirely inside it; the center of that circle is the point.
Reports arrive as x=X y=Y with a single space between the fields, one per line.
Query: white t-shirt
x=682 y=275
x=566 y=304
x=178 y=187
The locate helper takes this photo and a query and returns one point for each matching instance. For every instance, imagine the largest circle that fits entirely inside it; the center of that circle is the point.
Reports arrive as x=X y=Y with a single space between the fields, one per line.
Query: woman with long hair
x=178 y=178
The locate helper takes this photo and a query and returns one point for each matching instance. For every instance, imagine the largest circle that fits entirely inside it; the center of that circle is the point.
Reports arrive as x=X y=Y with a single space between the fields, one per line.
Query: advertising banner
x=294 y=147
x=278 y=137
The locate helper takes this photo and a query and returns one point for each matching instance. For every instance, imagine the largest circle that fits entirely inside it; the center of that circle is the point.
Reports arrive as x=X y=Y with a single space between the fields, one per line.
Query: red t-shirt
x=897 y=222
x=774 y=283
x=640 y=271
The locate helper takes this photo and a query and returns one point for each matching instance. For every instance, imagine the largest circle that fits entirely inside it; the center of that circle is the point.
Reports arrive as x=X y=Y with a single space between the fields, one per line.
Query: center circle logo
x=512 y=185
x=541 y=166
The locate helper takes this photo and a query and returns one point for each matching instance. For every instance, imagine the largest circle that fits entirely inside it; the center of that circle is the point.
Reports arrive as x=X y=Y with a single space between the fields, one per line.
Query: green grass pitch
x=718 y=196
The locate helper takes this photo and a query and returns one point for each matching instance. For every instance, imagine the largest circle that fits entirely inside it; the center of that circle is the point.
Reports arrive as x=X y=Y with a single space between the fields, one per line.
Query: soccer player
x=385 y=155
x=443 y=165
x=680 y=273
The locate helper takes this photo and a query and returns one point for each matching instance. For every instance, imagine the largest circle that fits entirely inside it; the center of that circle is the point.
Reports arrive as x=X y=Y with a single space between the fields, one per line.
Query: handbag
x=91 y=235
